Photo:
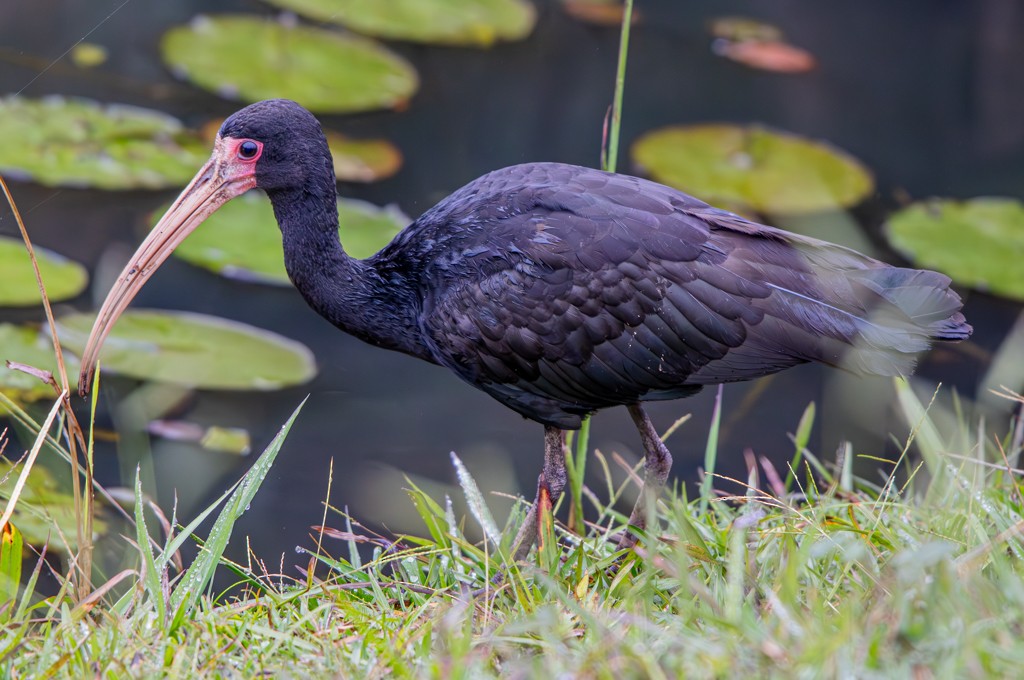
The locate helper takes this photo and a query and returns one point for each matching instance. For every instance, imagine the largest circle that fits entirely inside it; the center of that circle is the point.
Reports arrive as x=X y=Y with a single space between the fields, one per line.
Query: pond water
x=929 y=95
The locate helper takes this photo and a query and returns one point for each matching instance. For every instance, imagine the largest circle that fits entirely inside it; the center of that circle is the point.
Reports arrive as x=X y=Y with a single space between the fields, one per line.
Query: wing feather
x=560 y=290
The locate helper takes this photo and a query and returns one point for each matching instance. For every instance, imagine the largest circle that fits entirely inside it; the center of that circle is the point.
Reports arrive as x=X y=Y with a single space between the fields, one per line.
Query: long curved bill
x=217 y=182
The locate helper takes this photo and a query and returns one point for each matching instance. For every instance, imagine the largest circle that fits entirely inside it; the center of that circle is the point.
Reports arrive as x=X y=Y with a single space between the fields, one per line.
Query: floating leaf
x=978 y=243
x=762 y=170
x=767 y=55
x=470 y=23
x=242 y=241
x=43 y=508
x=195 y=350
x=249 y=59
x=26 y=345
x=77 y=142
x=18 y=288
x=227 y=440
x=224 y=439
x=599 y=12
x=743 y=28
x=88 y=55
x=363 y=160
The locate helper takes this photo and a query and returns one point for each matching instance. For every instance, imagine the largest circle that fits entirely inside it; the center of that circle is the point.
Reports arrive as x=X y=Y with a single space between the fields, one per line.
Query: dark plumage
x=560 y=290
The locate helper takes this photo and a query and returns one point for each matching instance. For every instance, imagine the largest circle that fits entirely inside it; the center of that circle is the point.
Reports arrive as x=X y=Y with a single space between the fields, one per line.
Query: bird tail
x=830 y=304
x=873 y=320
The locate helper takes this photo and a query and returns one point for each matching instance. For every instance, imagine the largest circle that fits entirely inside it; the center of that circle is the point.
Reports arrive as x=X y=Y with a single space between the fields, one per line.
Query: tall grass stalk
x=711 y=452
x=610 y=157
x=82 y=572
x=576 y=464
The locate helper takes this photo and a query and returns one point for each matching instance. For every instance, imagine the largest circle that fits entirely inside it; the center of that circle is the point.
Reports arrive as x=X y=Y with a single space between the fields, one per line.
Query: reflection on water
x=928 y=95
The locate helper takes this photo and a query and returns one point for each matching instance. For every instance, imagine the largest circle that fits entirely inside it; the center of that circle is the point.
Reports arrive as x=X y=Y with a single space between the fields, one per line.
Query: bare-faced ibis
x=561 y=290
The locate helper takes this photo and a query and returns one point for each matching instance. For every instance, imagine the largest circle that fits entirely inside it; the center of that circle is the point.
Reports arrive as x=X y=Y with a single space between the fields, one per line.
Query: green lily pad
x=80 y=143
x=249 y=59
x=363 y=160
x=242 y=240
x=978 y=243
x=740 y=29
x=18 y=288
x=88 y=55
x=42 y=508
x=214 y=438
x=766 y=171
x=467 y=23
x=195 y=350
x=26 y=345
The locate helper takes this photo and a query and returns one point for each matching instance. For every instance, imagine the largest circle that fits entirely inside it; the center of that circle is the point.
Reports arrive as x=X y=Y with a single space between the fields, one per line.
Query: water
x=928 y=94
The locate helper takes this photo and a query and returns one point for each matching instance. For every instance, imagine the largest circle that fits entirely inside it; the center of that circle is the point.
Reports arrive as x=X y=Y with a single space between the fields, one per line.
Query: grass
x=834 y=576
x=814 y=573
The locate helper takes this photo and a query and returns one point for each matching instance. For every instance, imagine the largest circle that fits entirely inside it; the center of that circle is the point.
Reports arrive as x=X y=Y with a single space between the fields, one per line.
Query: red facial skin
x=231 y=171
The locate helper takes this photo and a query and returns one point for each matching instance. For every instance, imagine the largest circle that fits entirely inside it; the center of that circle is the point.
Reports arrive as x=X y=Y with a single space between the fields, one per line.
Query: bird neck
x=372 y=302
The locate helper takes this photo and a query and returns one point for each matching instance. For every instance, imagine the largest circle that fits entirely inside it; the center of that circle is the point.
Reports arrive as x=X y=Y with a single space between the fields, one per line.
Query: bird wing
x=561 y=290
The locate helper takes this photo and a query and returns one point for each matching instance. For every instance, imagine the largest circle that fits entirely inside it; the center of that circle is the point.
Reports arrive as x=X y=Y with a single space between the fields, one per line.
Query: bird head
x=275 y=145
x=279 y=141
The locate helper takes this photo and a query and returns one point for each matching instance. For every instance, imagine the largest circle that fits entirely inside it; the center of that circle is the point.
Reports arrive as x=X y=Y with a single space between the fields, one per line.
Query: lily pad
x=242 y=240
x=18 y=288
x=88 y=55
x=599 y=12
x=26 y=345
x=363 y=160
x=766 y=55
x=468 y=23
x=979 y=243
x=43 y=508
x=214 y=438
x=196 y=350
x=81 y=143
x=249 y=59
x=737 y=28
x=749 y=166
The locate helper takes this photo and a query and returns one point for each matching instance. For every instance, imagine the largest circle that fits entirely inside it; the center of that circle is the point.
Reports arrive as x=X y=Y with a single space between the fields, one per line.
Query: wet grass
x=830 y=576
x=806 y=572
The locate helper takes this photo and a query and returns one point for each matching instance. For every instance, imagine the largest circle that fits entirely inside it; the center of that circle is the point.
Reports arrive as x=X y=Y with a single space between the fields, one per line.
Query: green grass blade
x=576 y=467
x=711 y=453
x=611 y=155
x=476 y=503
x=198 y=576
x=11 y=548
x=432 y=514
x=152 y=579
x=924 y=433
x=800 y=440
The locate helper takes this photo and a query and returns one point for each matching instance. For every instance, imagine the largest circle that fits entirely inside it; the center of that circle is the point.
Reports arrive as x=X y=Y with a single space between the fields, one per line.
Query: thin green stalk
x=611 y=156
x=711 y=453
x=70 y=427
x=800 y=439
x=576 y=465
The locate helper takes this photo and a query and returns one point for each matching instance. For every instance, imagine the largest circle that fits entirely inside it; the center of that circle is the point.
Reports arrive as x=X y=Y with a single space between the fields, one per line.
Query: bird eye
x=248 y=150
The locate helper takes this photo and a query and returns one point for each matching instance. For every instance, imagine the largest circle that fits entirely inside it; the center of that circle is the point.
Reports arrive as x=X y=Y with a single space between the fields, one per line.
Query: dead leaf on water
x=599 y=12
x=766 y=55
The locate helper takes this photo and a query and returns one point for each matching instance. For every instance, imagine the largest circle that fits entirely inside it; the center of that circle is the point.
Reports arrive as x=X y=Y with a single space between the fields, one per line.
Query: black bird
x=561 y=290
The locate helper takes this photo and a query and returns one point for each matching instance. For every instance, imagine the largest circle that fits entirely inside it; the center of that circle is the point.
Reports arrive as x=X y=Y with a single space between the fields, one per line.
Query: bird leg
x=657 y=464
x=549 y=486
